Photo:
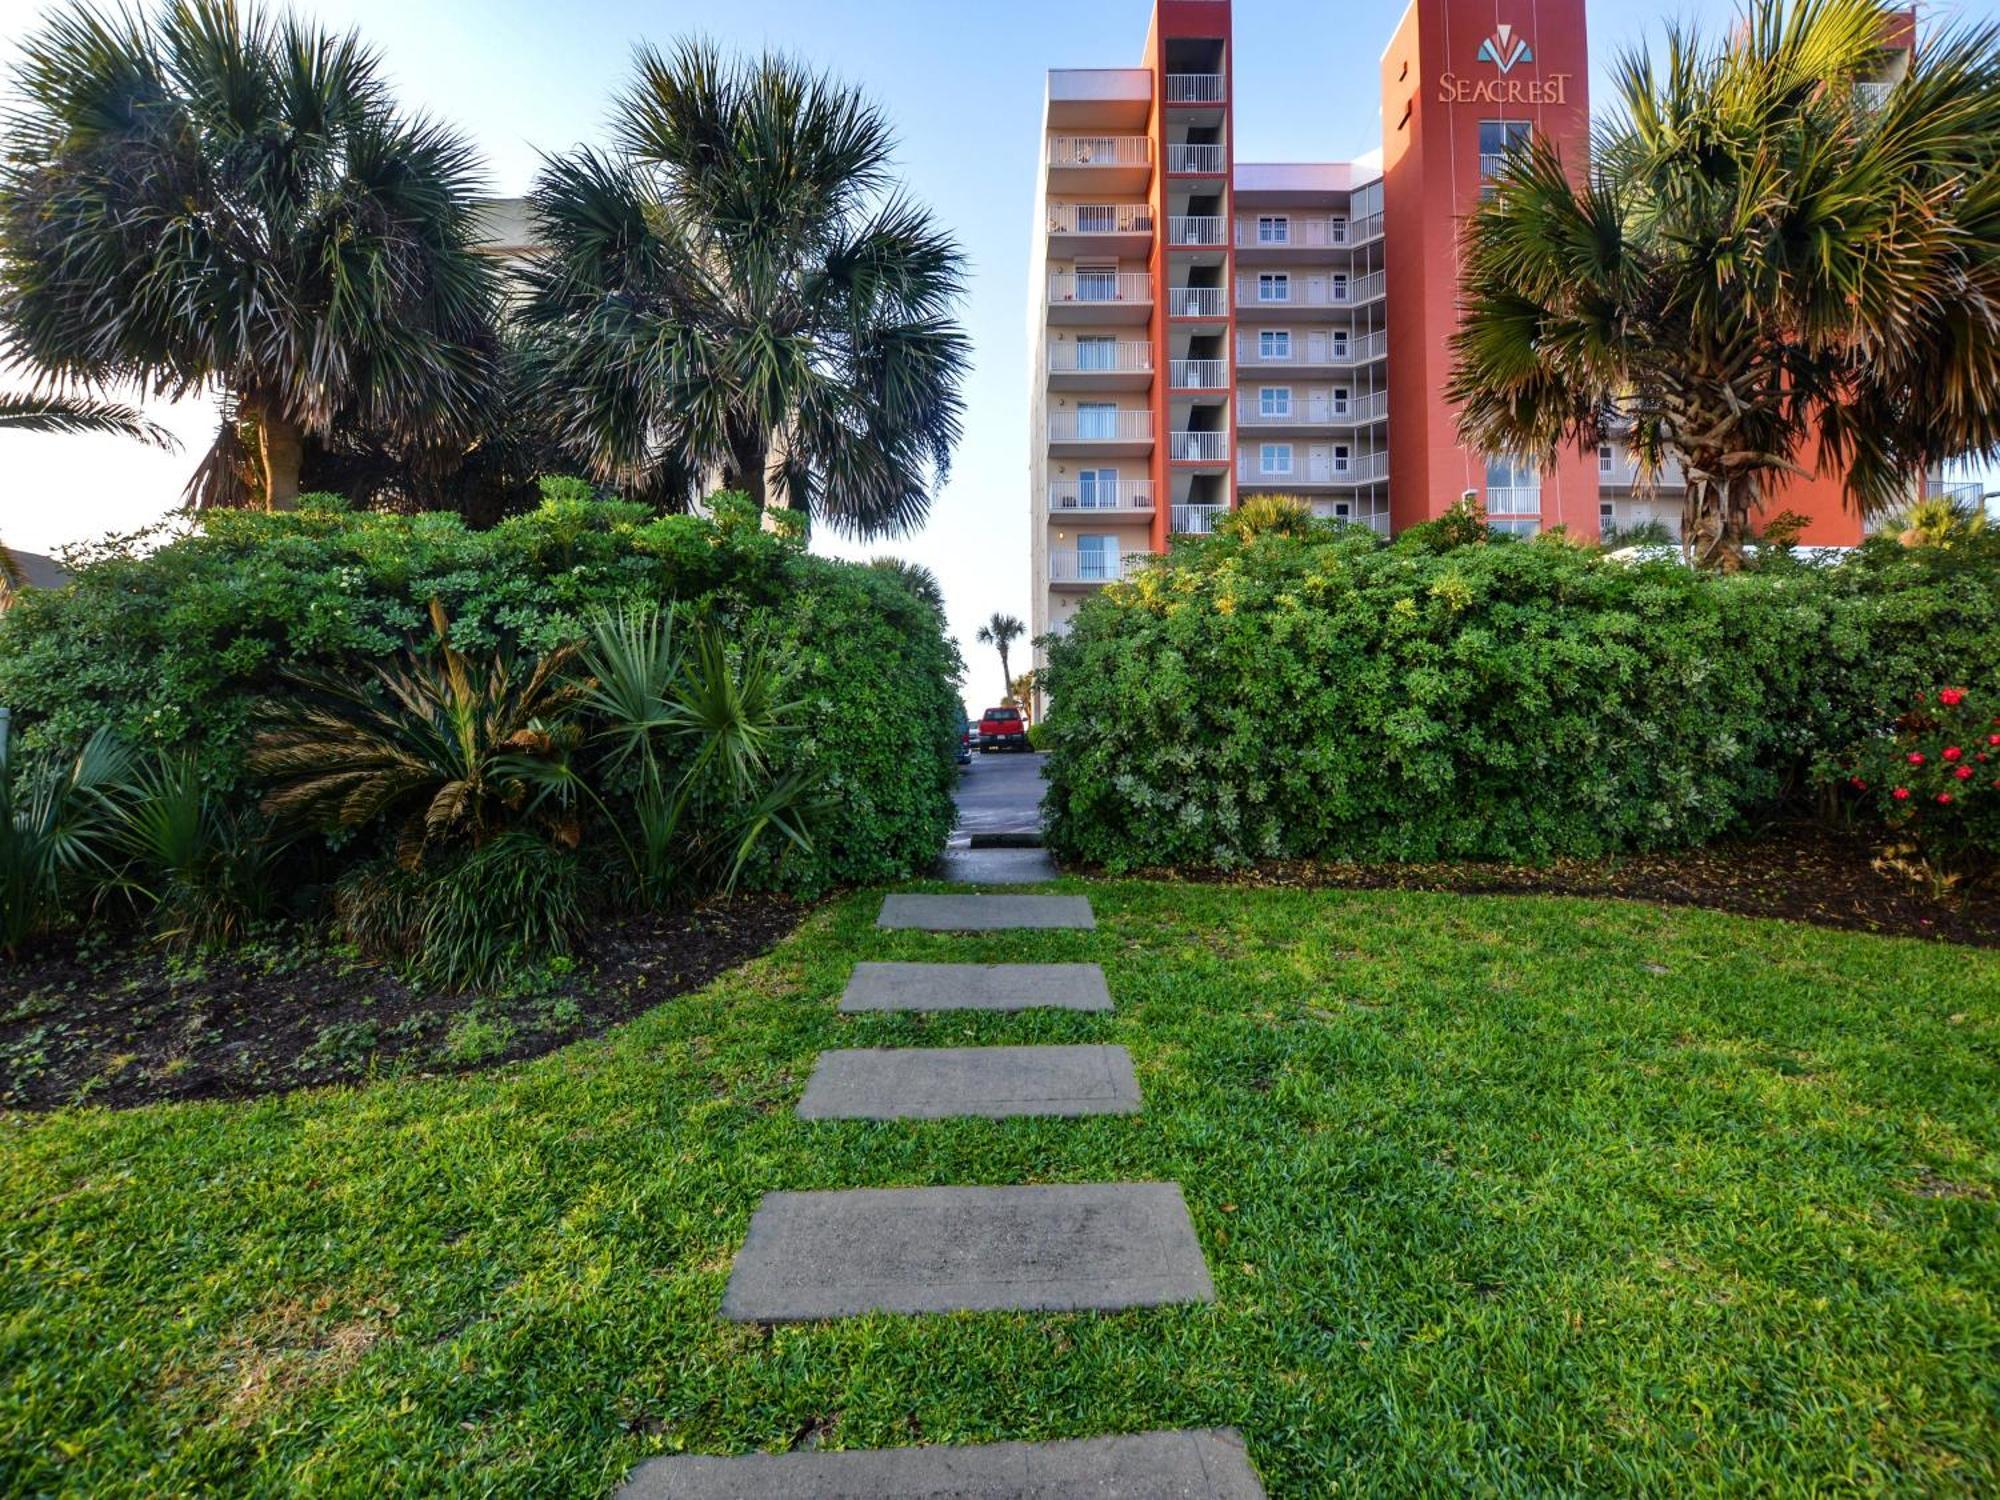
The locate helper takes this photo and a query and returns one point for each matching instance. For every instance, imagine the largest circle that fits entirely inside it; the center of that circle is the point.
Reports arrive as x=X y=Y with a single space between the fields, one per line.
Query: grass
x=1501 y=1196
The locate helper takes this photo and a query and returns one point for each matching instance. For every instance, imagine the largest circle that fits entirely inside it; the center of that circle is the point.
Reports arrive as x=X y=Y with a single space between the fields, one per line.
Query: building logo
x=1503 y=49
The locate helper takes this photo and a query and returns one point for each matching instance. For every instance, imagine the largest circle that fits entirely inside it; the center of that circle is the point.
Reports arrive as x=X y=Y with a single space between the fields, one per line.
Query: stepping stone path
x=1207 y=1465
x=1069 y=1247
x=996 y=866
x=934 y=1083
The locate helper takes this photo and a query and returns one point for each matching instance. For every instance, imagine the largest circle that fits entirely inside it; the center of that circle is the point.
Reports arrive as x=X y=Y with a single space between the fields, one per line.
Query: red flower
x=1952 y=697
x=1901 y=794
x=1993 y=739
x=1915 y=757
x=1857 y=783
x=1944 y=796
x=1964 y=773
x=1952 y=752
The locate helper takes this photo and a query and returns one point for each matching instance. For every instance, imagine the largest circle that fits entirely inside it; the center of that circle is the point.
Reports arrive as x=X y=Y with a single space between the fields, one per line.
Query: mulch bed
x=113 y=1021
x=1803 y=872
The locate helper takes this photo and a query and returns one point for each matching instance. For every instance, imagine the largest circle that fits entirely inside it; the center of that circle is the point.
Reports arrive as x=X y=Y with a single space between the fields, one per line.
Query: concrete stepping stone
x=1200 y=1465
x=983 y=913
x=935 y=1083
x=996 y=866
x=887 y=986
x=959 y=1249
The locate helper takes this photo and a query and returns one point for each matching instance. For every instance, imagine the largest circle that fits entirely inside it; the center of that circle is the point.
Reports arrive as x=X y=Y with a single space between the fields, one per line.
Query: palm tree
x=1002 y=630
x=216 y=197
x=740 y=292
x=73 y=414
x=1764 y=263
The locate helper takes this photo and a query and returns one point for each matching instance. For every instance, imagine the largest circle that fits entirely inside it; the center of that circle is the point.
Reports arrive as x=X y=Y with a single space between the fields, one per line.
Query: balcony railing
x=1301 y=291
x=1360 y=468
x=1198 y=447
x=1194 y=88
x=1330 y=410
x=1197 y=374
x=1100 y=286
x=1100 y=151
x=1194 y=301
x=1100 y=426
x=1101 y=357
x=1119 y=494
x=1194 y=229
x=1202 y=159
x=1968 y=494
x=1300 y=232
x=1100 y=218
x=1513 y=500
x=1085 y=567
x=1197 y=520
x=1251 y=352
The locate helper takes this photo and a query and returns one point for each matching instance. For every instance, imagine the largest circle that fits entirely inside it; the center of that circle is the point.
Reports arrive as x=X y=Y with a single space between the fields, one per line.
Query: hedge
x=174 y=646
x=1332 y=696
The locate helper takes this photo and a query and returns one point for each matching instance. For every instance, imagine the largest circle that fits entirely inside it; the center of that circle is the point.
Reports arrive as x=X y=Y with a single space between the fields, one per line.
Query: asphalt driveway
x=1000 y=792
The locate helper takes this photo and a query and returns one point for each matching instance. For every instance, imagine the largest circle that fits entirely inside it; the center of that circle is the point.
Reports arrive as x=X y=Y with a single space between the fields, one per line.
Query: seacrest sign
x=1504 y=50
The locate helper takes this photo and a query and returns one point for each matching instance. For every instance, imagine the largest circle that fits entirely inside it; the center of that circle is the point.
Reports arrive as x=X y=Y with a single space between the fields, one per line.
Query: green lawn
x=1501 y=1195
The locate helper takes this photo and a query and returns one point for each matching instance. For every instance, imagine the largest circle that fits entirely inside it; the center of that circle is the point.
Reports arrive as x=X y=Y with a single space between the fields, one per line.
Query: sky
x=962 y=84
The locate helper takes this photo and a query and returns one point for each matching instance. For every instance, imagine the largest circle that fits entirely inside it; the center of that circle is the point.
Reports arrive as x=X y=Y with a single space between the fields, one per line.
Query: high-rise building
x=1206 y=329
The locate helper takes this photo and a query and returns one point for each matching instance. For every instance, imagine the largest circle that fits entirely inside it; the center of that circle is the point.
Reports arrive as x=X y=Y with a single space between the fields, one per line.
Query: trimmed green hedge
x=174 y=647
x=1332 y=696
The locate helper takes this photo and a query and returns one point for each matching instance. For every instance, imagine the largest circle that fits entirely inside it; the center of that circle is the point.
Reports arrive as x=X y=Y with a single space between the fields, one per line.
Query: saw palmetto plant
x=216 y=198
x=1777 y=261
x=738 y=290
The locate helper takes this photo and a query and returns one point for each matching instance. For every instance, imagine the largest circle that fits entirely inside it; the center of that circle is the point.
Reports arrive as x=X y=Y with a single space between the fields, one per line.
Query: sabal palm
x=1001 y=630
x=81 y=414
x=219 y=198
x=739 y=291
x=1764 y=268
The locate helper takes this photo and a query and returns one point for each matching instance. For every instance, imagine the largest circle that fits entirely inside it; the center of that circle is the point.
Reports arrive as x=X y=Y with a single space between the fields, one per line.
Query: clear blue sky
x=963 y=84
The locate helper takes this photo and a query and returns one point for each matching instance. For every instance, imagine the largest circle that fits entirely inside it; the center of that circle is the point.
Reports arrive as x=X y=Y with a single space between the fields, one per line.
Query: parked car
x=967 y=738
x=1003 y=729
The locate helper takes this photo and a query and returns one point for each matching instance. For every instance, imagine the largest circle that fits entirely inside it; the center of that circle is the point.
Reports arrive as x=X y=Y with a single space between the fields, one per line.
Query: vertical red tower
x=1461 y=81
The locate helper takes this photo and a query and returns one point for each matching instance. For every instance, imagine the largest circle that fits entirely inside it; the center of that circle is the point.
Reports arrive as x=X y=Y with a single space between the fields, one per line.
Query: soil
x=112 y=1020
x=1802 y=872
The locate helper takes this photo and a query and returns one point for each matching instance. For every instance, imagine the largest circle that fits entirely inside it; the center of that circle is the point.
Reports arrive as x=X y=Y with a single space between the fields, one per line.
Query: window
x=1342 y=510
x=1096 y=352
x=1274 y=458
x=1274 y=343
x=1096 y=420
x=1340 y=397
x=1520 y=526
x=1606 y=513
x=1513 y=488
x=1340 y=286
x=1336 y=231
x=1605 y=458
x=1274 y=401
x=1097 y=283
x=1096 y=218
x=1343 y=458
x=1097 y=489
x=1496 y=139
x=1096 y=557
x=1274 y=229
x=1274 y=286
x=1340 y=343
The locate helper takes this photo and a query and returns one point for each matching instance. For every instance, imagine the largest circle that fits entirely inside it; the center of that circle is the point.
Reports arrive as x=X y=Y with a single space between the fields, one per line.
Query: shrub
x=58 y=832
x=1332 y=696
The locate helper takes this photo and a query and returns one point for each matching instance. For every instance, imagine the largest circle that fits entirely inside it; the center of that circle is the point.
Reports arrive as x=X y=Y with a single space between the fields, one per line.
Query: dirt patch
x=1800 y=871
x=114 y=1021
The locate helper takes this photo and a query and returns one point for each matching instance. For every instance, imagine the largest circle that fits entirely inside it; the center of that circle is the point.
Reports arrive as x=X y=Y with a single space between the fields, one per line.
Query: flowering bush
x=1933 y=784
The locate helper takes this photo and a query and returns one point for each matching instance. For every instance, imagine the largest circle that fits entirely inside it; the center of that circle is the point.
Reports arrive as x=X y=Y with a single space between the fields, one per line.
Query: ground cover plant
x=1500 y=1195
x=1308 y=691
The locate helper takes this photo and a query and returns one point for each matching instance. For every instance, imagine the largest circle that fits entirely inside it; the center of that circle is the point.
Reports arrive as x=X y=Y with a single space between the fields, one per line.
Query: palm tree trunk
x=281 y=449
x=749 y=465
x=1006 y=675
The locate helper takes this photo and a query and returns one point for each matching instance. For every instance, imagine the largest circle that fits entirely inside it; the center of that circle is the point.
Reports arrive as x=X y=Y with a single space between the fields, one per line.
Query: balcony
x=1194 y=161
x=1100 y=98
x=1070 y=568
x=1195 y=229
x=1107 y=433
x=1964 y=494
x=1100 y=296
x=1122 y=230
x=1195 y=302
x=1316 y=409
x=1194 y=88
x=1197 y=374
x=1312 y=290
x=1129 y=497
x=1312 y=470
x=1198 y=447
x=1197 y=520
x=1100 y=364
x=1276 y=235
x=1315 y=349
x=1106 y=163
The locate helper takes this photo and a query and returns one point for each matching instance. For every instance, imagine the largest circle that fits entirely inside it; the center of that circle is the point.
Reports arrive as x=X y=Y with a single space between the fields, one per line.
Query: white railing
x=1294 y=290
x=1197 y=520
x=1085 y=567
x=1363 y=229
x=1194 y=88
x=1100 y=218
x=1100 y=426
x=1289 y=232
x=1100 y=286
x=1198 y=447
x=1194 y=301
x=1100 y=151
x=1197 y=374
x=1969 y=493
x=1202 y=159
x=1120 y=494
x=1315 y=408
x=1359 y=468
x=1513 y=500
x=1123 y=357
x=1194 y=229
x=1303 y=351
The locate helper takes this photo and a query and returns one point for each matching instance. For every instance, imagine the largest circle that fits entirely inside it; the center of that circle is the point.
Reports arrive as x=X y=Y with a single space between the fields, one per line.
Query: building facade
x=1206 y=329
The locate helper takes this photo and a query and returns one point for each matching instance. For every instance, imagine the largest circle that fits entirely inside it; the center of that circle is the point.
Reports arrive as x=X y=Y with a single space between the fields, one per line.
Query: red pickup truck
x=1003 y=728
